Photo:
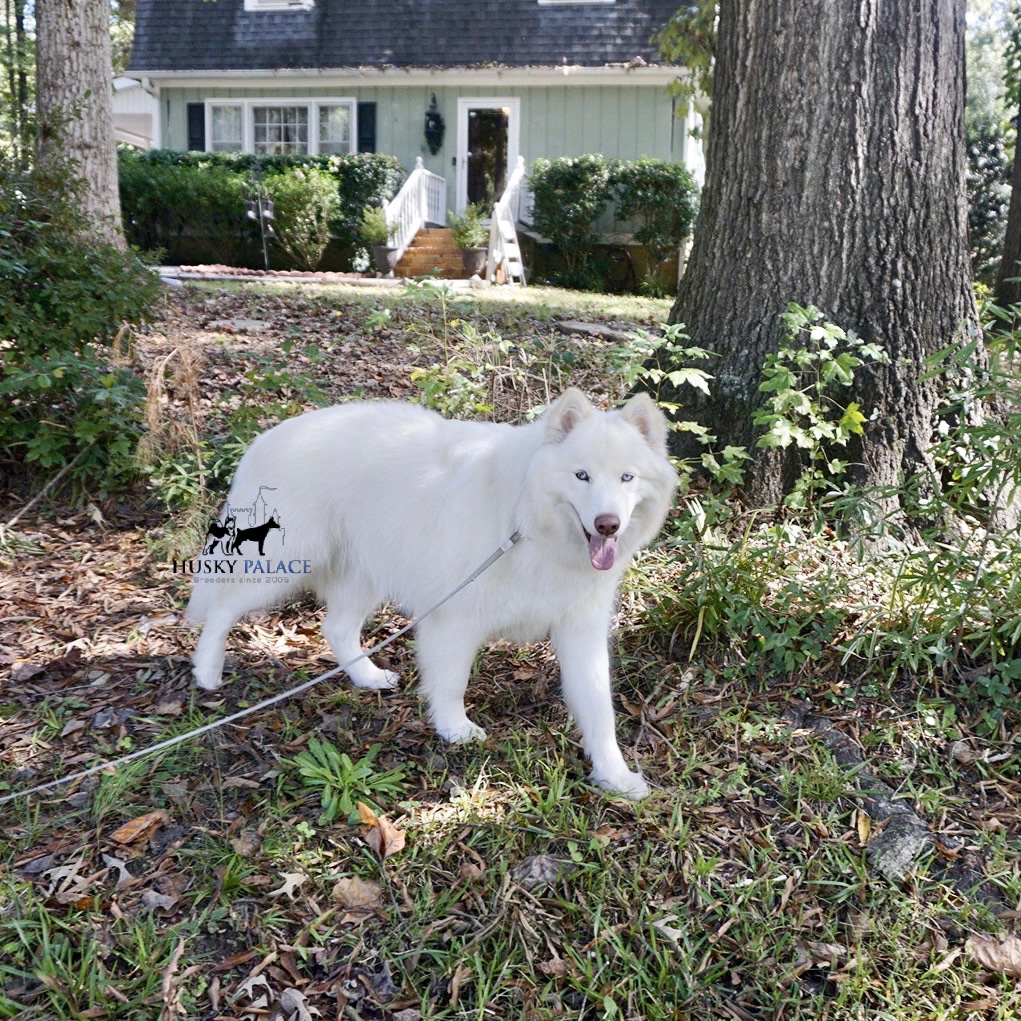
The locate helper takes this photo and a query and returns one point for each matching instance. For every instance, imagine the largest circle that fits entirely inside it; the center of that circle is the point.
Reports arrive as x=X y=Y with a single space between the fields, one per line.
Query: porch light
x=434 y=127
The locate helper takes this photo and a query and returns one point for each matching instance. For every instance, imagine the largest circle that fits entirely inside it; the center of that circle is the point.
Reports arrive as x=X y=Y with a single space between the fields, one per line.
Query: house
x=466 y=92
x=135 y=111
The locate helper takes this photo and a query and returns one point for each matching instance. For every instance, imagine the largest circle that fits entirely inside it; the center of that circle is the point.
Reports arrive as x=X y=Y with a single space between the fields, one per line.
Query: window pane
x=335 y=128
x=280 y=129
x=226 y=129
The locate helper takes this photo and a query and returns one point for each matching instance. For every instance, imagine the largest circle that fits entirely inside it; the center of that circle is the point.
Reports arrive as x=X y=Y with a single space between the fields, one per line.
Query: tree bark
x=1008 y=279
x=836 y=179
x=75 y=105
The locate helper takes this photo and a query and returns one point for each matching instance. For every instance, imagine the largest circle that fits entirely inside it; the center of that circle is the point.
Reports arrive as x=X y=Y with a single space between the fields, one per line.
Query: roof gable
x=199 y=35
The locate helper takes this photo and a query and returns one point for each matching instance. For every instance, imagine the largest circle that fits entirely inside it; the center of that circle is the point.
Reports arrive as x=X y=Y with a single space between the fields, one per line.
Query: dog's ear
x=645 y=415
x=570 y=408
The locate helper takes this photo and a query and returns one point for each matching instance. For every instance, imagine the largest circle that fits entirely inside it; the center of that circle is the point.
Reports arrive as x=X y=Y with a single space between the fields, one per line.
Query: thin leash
x=242 y=713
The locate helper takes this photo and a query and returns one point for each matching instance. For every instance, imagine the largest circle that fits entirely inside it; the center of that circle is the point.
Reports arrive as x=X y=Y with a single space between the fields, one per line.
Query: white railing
x=513 y=206
x=421 y=200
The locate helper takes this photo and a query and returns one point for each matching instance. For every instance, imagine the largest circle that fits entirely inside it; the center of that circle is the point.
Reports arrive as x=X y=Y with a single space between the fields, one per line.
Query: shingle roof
x=200 y=35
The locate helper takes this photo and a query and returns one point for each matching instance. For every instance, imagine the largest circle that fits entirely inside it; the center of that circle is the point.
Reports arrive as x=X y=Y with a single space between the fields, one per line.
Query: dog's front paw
x=368 y=675
x=460 y=731
x=631 y=785
x=207 y=679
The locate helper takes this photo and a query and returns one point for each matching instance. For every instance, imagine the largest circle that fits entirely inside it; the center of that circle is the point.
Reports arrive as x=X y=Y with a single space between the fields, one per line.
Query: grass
x=740 y=889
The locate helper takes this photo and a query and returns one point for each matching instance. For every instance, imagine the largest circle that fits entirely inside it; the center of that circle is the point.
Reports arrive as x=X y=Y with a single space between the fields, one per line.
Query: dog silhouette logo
x=257 y=534
x=218 y=534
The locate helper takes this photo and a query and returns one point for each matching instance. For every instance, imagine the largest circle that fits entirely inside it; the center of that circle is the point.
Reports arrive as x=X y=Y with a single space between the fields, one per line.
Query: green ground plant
x=344 y=781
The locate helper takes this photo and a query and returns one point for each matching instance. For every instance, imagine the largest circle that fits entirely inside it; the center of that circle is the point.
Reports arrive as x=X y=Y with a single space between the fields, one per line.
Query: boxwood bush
x=571 y=193
x=171 y=198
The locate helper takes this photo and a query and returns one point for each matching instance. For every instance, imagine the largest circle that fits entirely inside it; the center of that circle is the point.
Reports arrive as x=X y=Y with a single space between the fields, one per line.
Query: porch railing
x=421 y=200
x=504 y=250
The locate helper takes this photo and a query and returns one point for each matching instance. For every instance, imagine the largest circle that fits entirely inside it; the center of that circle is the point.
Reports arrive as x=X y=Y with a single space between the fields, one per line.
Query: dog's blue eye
x=626 y=477
x=583 y=475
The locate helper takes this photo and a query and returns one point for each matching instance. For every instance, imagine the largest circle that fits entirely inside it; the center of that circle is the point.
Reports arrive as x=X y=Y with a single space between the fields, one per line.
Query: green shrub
x=63 y=301
x=468 y=229
x=569 y=195
x=373 y=230
x=662 y=197
x=168 y=196
x=305 y=203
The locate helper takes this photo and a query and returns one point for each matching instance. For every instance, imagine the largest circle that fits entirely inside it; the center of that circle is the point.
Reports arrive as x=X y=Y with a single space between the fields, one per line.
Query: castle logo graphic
x=231 y=541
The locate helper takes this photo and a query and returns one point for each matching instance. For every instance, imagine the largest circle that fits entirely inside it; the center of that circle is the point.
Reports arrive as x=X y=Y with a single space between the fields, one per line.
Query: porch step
x=432 y=249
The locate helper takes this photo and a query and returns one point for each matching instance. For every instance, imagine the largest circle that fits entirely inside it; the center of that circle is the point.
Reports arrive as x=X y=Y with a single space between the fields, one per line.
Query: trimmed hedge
x=171 y=198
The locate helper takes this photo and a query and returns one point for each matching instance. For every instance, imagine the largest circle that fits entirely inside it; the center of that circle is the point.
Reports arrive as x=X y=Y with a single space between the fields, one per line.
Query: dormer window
x=279 y=5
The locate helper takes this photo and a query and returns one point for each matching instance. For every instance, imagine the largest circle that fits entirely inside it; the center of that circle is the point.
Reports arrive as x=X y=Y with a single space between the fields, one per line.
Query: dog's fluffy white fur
x=391 y=502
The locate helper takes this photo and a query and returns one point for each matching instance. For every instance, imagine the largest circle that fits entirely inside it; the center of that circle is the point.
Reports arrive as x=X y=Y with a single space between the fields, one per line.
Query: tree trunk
x=75 y=105
x=15 y=59
x=836 y=179
x=1008 y=279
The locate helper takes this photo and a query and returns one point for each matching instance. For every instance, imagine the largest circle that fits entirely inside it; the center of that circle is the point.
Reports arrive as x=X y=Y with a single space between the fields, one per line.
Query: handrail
x=512 y=206
x=421 y=200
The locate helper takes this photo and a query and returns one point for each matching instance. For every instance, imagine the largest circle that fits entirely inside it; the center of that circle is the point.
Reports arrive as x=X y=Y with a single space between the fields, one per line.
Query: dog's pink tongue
x=602 y=551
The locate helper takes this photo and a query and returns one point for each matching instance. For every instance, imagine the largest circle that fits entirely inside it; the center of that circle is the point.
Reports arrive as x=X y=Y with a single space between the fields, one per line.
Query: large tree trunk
x=75 y=106
x=1008 y=279
x=836 y=179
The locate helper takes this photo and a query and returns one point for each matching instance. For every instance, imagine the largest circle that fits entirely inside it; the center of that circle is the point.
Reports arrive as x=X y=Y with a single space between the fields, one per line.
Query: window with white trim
x=279 y=130
x=334 y=127
x=281 y=126
x=226 y=129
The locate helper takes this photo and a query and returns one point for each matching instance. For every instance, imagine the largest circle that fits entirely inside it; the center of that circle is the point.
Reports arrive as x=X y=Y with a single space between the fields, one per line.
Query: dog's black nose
x=607 y=524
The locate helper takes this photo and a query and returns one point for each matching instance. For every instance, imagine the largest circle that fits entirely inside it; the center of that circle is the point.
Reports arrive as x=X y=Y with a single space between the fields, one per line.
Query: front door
x=488 y=142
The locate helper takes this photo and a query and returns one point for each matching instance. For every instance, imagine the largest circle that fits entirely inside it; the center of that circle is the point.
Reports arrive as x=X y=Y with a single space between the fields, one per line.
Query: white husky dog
x=391 y=502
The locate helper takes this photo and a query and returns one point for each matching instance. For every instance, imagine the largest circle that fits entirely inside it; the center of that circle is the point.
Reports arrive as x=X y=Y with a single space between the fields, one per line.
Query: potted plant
x=471 y=235
x=377 y=234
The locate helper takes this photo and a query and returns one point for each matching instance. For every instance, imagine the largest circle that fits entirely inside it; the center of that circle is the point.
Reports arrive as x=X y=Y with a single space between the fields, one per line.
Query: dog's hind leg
x=207 y=661
x=348 y=603
x=445 y=653
x=220 y=606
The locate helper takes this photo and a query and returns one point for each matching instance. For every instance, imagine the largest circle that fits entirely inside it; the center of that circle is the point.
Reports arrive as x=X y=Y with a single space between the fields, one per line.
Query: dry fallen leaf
x=140 y=828
x=1000 y=955
x=864 y=826
x=541 y=870
x=379 y=833
x=461 y=973
x=124 y=878
x=469 y=871
x=246 y=843
x=292 y=882
x=152 y=901
x=358 y=895
x=294 y=1007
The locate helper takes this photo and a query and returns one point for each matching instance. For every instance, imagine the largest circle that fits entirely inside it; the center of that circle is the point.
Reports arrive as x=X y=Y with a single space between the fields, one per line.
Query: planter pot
x=385 y=259
x=474 y=261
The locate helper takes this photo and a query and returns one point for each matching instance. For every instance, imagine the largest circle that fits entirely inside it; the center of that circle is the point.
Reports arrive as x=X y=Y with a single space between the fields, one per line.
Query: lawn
x=331 y=857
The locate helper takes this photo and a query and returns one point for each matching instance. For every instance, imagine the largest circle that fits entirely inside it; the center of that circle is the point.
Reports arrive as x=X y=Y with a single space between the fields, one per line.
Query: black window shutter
x=366 y=127
x=197 y=126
